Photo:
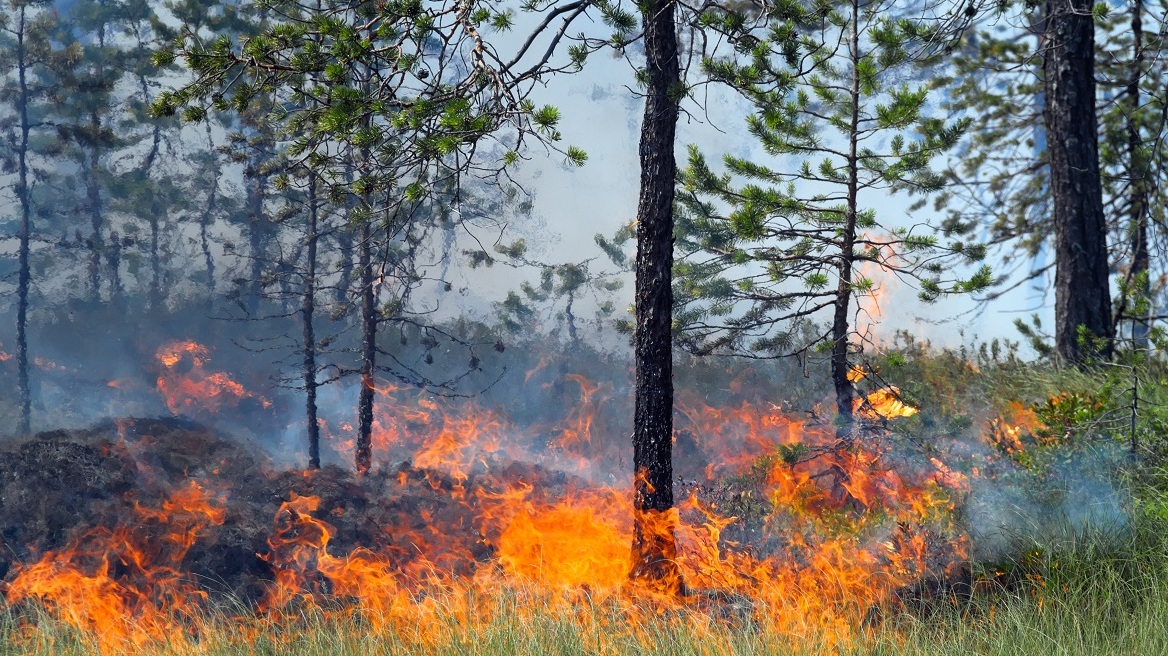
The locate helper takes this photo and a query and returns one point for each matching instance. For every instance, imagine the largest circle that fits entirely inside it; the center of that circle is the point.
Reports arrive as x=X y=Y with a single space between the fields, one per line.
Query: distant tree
x=554 y=297
x=26 y=52
x=1133 y=155
x=86 y=119
x=399 y=94
x=771 y=246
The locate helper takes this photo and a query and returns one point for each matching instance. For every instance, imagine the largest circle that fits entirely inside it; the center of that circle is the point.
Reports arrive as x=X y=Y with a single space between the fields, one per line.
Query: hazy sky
x=571 y=205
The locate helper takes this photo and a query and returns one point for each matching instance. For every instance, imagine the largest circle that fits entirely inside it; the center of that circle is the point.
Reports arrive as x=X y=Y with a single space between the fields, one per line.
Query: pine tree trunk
x=96 y=221
x=93 y=184
x=206 y=219
x=25 y=275
x=257 y=239
x=1138 y=202
x=654 y=546
x=345 y=267
x=844 y=392
x=364 y=452
x=1082 y=292
x=307 y=308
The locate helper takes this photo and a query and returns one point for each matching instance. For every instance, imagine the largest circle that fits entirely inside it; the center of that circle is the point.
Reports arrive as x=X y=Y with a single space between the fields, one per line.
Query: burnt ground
x=61 y=485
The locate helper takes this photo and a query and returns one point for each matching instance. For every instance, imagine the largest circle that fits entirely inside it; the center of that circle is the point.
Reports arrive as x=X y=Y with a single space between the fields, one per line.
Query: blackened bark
x=1082 y=292
x=844 y=391
x=364 y=452
x=307 y=309
x=209 y=216
x=654 y=547
x=25 y=275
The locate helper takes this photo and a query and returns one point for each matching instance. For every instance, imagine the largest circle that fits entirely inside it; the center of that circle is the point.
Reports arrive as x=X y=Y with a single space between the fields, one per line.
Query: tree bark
x=654 y=546
x=1082 y=291
x=307 y=309
x=257 y=236
x=844 y=391
x=207 y=217
x=364 y=451
x=1138 y=172
x=25 y=275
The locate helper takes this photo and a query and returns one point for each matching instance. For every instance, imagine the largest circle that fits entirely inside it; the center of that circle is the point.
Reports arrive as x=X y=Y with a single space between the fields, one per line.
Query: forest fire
x=189 y=388
x=462 y=517
x=125 y=584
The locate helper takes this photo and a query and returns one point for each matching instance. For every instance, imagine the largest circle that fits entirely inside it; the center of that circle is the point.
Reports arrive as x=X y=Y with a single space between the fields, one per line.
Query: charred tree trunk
x=844 y=391
x=307 y=309
x=364 y=452
x=23 y=194
x=1082 y=291
x=654 y=546
x=1138 y=208
x=207 y=217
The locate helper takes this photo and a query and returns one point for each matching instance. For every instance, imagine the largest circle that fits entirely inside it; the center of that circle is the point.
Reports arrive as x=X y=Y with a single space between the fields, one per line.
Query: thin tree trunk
x=209 y=216
x=154 y=297
x=1138 y=208
x=364 y=453
x=844 y=391
x=1082 y=291
x=96 y=221
x=654 y=545
x=307 y=308
x=93 y=184
x=345 y=268
x=25 y=275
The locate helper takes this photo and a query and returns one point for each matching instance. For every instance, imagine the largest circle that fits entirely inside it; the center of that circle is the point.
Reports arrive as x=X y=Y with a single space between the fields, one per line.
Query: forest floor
x=1072 y=582
x=1106 y=594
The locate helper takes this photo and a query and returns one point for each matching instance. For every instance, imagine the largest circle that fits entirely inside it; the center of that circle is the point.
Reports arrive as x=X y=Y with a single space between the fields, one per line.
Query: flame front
x=813 y=533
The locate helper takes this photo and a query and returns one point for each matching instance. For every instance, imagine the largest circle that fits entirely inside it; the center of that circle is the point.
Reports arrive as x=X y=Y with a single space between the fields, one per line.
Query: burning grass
x=1103 y=593
x=480 y=534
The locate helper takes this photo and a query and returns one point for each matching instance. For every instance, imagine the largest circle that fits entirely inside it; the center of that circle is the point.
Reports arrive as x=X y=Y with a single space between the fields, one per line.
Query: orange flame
x=142 y=602
x=196 y=390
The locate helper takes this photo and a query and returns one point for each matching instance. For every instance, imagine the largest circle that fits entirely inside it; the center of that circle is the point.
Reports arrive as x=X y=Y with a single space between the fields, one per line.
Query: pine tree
x=1082 y=284
x=1133 y=155
x=769 y=248
x=1002 y=171
x=86 y=121
x=28 y=53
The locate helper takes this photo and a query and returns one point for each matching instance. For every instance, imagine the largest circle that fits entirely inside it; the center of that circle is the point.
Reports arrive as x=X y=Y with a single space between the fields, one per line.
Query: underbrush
x=1038 y=444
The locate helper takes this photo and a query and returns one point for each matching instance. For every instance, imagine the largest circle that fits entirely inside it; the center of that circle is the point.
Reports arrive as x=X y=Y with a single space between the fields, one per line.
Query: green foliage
x=405 y=91
x=764 y=241
x=1001 y=168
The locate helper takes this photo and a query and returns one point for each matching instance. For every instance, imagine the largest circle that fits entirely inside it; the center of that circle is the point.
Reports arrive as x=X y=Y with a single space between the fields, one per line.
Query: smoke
x=1016 y=508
